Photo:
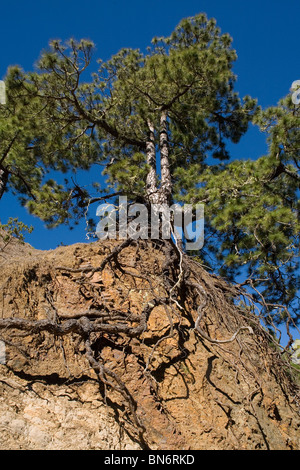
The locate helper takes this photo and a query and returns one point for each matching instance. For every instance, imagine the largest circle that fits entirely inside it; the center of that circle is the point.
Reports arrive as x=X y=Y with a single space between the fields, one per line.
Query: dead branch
x=83 y=326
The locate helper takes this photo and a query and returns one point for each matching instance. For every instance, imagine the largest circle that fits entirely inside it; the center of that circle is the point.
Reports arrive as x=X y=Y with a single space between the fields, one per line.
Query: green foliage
x=14 y=228
x=37 y=142
x=252 y=212
x=128 y=175
x=189 y=74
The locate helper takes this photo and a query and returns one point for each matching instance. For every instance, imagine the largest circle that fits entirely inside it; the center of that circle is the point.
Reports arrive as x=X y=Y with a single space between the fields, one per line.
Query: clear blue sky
x=265 y=34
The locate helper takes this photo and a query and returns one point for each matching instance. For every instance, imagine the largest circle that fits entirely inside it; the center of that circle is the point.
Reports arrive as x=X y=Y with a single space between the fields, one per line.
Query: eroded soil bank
x=132 y=372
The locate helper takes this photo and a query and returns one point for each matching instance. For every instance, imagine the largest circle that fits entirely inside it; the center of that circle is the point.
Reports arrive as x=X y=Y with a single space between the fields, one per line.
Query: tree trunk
x=3 y=180
x=151 y=181
x=166 y=183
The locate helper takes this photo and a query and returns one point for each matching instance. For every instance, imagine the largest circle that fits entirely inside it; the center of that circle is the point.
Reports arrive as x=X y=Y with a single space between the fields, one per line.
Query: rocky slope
x=120 y=364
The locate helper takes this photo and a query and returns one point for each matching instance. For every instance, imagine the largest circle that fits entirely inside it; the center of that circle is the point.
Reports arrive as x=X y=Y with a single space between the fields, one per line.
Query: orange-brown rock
x=187 y=393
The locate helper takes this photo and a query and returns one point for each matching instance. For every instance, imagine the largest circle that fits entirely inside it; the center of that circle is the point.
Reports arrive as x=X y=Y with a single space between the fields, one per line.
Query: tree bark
x=151 y=181
x=3 y=180
x=166 y=182
x=161 y=194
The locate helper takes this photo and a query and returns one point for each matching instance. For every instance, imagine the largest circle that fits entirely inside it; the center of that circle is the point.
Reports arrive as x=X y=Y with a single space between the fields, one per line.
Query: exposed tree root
x=185 y=291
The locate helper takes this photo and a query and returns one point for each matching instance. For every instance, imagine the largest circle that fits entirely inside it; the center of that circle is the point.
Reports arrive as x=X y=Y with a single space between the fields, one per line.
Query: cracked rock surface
x=186 y=393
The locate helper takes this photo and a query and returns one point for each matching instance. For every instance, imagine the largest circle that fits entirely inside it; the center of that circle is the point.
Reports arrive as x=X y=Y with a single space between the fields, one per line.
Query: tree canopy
x=158 y=123
x=175 y=103
x=253 y=213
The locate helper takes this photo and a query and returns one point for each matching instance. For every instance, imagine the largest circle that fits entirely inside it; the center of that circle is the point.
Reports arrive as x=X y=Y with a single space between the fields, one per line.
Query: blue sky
x=265 y=34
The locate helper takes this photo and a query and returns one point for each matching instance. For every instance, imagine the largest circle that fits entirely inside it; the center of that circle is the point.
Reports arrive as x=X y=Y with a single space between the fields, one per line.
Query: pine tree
x=154 y=113
x=159 y=122
x=253 y=215
x=34 y=150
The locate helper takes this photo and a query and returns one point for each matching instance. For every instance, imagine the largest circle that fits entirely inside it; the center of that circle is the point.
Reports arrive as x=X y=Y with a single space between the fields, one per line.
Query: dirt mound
x=114 y=346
